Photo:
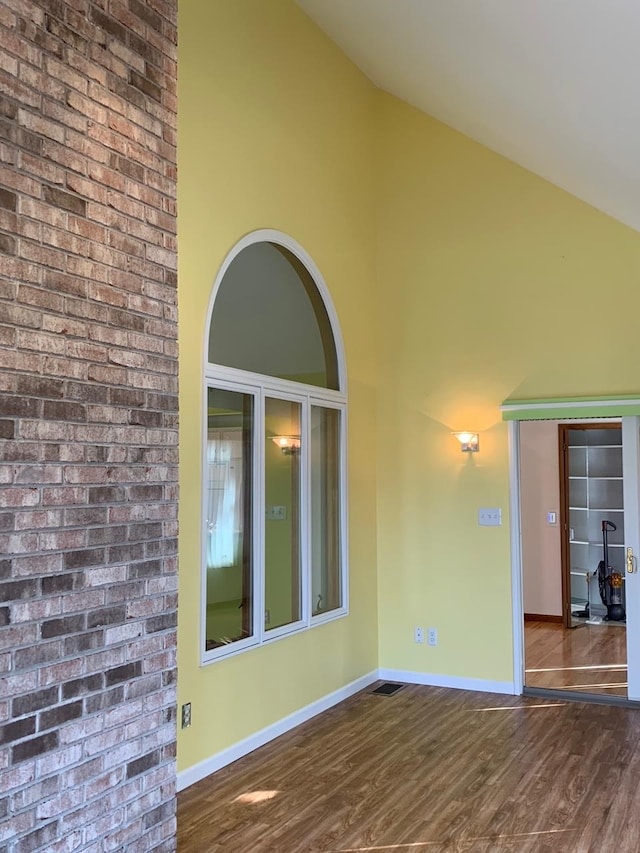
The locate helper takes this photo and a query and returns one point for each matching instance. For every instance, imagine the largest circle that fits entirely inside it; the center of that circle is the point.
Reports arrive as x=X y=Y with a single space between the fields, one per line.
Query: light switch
x=551 y=518
x=490 y=516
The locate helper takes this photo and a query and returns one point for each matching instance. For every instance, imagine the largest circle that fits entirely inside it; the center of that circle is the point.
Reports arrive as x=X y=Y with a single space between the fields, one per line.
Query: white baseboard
x=434 y=680
x=204 y=768
x=221 y=759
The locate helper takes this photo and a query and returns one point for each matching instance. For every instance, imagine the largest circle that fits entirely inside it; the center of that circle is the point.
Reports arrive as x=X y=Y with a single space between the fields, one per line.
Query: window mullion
x=344 y=526
x=305 y=513
x=260 y=513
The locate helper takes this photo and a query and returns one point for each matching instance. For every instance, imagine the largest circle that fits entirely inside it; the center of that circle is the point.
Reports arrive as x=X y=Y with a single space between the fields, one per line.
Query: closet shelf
x=599 y=510
x=592 y=477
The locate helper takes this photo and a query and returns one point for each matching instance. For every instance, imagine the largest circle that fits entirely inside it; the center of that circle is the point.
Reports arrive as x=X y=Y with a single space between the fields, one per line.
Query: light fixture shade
x=469 y=441
x=287 y=443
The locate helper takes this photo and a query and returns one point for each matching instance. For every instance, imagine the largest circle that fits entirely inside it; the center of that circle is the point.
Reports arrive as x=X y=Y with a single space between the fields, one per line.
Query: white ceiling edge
x=549 y=84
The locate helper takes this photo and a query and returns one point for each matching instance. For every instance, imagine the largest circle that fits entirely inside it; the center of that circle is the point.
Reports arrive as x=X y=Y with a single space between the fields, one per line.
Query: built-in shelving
x=595 y=484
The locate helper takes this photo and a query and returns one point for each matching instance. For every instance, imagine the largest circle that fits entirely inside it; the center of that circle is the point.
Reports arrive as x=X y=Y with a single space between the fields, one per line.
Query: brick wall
x=88 y=425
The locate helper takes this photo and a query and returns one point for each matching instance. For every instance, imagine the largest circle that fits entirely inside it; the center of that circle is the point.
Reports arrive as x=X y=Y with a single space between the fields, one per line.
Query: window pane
x=229 y=615
x=269 y=318
x=325 y=510
x=282 y=522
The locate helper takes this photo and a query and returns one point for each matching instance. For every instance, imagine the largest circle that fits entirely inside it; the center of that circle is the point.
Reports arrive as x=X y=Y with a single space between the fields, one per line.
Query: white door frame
x=631 y=489
x=517 y=600
x=631 y=485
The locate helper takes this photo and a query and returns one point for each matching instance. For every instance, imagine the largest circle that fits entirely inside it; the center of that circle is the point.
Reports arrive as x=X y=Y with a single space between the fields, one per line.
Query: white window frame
x=290 y=627
x=260 y=387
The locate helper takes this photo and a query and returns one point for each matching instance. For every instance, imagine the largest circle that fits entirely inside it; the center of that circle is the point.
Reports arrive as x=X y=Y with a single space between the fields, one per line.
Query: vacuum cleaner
x=609 y=580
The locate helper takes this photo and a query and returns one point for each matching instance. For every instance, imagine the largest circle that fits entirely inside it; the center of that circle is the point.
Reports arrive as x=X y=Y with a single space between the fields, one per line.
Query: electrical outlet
x=432 y=636
x=418 y=635
x=186 y=715
x=490 y=516
x=276 y=513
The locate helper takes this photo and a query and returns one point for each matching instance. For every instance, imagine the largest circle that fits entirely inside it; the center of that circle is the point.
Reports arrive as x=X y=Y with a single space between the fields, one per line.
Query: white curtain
x=224 y=510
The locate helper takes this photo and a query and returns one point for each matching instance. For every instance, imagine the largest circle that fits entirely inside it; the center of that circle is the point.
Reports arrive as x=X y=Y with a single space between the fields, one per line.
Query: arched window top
x=272 y=315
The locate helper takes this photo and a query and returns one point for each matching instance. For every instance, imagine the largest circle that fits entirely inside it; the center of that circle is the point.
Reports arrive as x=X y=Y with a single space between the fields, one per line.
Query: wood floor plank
x=430 y=770
x=588 y=658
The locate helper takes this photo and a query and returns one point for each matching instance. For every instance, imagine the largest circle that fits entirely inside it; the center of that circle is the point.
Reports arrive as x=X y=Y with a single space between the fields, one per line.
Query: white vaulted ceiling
x=550 y=84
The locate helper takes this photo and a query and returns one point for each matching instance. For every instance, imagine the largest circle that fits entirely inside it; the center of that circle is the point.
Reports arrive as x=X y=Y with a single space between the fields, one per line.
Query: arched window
x=274 y=544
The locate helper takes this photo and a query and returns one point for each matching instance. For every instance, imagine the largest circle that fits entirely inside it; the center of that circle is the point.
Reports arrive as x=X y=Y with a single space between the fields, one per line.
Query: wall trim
x=570 y=407
x=515 y=537
x=542 y=617
x=429 y=679
x=221 y=759
x=216 y=762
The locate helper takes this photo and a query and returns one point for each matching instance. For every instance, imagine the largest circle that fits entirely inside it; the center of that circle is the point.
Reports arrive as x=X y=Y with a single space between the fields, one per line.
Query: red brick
x=33 y=611
x=81 y=308
x=90 y=70
x=34 y=519
x=109 y=138
x=30 y=53
x=65 y=240
x=10 y=178
x=22 y=270
x=107 y=375
x=59 y=760
x=36 y=209
x=41 y=256
x=40 y=298
x=131 y=208
x=87 y=107
x=86 y=228
x=19 y=497
x=60 y=673
x=86 y=351
x=88 y=195
x=42 y=82
x=34 y=565
x=86 y=188
x=39 y=474
x=64 y=326
x=64 y=367
x=65 y=116
x=32 y=340
x=63 y=72
x=38 y=124
x=63 y=540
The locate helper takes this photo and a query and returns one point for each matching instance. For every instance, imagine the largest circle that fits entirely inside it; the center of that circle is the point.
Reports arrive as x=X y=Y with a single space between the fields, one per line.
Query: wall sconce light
x=288 y=444
x=469 y=441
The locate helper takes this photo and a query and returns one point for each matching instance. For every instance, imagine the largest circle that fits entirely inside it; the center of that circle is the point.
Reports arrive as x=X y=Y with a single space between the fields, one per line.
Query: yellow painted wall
x=276 y=130
x=459 y=279
x=492 y=284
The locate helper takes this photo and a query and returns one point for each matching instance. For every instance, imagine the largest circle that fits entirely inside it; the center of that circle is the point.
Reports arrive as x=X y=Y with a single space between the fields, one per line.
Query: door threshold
x=575 y=696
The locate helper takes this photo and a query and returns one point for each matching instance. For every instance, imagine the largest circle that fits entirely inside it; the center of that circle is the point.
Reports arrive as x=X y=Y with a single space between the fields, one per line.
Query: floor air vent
x=388 y=689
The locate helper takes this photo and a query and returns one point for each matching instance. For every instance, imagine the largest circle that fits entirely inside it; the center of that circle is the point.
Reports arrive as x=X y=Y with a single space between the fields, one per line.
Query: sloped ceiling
x=551 y=84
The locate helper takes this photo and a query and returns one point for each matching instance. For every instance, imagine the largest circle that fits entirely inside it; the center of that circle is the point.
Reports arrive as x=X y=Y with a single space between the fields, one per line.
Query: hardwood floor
x=589 y=658
x=430 y=770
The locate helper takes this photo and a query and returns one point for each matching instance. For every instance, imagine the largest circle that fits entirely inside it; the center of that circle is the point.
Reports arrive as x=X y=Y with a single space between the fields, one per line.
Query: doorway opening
x=591 y=524
x=568 y=478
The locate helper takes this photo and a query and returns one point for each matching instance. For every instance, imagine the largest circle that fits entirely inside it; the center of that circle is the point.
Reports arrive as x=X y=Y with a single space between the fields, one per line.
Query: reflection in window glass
x=274 y=549
x=283 y=602
x=286 y=333
x=325 y=510
x=229 y=605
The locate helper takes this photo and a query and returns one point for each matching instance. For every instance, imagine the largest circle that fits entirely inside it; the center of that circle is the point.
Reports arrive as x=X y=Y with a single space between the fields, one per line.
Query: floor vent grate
x=388 y=689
